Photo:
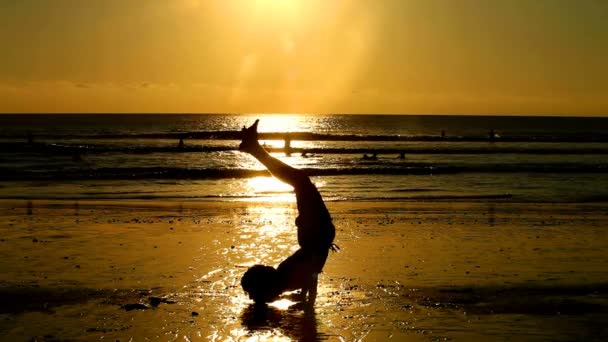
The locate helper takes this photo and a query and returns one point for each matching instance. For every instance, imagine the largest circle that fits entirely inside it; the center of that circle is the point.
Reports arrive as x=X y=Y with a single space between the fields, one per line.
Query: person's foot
x=250 y=138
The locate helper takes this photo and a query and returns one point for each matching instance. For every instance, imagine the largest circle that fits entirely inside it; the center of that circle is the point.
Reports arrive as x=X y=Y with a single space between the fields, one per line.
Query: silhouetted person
x=370 y=157
x=402 y=155
x=443 y=134
x=181 y=143
x=492 y=135
x=30 y=208
x=288 y=145
x=316 y=233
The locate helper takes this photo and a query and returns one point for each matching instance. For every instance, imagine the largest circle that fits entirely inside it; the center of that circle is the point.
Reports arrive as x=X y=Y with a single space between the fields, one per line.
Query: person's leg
x=315 y=229
x=282 y=171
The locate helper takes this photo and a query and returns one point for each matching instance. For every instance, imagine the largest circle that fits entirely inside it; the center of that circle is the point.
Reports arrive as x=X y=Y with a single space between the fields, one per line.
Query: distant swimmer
x=288 y=145
x=492 y=135
x=370 y=157
x=315 y=232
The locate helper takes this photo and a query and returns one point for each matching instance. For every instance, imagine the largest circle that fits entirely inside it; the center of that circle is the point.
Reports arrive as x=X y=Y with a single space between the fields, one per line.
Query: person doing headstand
x=316 y=233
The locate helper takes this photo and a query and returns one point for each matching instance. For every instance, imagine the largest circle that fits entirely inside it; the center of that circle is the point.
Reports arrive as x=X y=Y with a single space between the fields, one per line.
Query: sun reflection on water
x=270 y=189
x=282 y=304
x=281 y=123
x=268 y=184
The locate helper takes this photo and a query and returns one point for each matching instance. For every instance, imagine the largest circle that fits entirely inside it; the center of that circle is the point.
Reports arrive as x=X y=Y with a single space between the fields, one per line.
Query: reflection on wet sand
x=266 y=235
x=294 y=322
x=425 y=272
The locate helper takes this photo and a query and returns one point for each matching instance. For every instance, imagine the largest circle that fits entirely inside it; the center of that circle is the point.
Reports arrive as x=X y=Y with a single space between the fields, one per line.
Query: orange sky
x=305 y=56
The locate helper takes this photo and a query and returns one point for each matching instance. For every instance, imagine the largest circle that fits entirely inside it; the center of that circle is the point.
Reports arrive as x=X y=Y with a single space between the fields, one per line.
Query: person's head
x=261 y=283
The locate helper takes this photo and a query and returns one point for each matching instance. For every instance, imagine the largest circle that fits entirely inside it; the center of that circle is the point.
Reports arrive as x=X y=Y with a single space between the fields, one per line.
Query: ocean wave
x=8 y=174
x=172 y=196
x=135 y=196
x=70 y=149
x=434 y=198
x=311 y=136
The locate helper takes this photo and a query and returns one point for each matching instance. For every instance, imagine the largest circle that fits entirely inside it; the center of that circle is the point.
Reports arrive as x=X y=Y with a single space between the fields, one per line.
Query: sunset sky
x=305 y=56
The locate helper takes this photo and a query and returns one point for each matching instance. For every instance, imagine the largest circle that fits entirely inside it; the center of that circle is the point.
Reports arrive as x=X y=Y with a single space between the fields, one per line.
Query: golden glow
x=271 y=189
x=304 y=56
x=266 y=336
x=282 y=304
x=267 y=184
x=280 y=123
x=279 y=7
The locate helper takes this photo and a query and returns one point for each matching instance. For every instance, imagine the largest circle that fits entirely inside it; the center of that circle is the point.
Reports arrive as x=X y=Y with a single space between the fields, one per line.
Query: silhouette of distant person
x=288 y=146
x=492 y=135
x=316 y=234
x=443 y=134
x=180 y=145
x=30 y=208
x=306 y=154
x=402 y=155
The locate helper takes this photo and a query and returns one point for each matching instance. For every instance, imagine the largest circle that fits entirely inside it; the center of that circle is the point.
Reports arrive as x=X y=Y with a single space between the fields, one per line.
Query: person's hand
x=250 y=138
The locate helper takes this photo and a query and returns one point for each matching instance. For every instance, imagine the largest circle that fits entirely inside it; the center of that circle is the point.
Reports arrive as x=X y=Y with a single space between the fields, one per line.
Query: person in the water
x=316 y=233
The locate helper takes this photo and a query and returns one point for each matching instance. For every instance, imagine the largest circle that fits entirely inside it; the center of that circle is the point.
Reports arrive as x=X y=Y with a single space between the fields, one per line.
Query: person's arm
x=282 y=171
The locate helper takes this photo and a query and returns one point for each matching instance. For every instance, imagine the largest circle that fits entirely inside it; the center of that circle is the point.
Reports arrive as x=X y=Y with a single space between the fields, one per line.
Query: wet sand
x=407 y=271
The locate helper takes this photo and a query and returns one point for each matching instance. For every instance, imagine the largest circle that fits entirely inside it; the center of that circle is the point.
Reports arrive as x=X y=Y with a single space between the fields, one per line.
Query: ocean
x=418 y=157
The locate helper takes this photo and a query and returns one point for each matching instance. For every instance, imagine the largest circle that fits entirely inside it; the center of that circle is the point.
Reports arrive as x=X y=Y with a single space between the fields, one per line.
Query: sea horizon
x=441 y=157
x=545 y=115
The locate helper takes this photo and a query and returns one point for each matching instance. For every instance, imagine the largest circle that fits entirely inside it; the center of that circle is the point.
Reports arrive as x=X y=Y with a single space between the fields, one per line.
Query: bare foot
x=250 y=138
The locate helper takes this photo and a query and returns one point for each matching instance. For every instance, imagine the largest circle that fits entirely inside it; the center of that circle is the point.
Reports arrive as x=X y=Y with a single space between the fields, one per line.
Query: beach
x=431 y=271
x=446 y=163
x=110 y=230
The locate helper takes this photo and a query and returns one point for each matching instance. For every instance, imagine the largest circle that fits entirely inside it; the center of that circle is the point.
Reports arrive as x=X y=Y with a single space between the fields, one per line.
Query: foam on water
x=534 y=159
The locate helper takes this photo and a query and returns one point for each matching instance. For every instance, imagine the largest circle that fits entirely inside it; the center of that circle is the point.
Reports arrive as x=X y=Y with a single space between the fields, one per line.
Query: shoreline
x=405 y=205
